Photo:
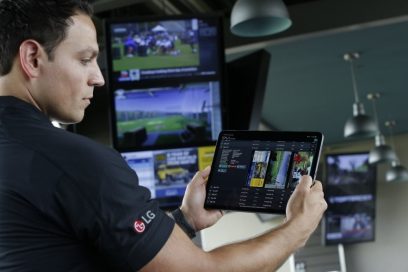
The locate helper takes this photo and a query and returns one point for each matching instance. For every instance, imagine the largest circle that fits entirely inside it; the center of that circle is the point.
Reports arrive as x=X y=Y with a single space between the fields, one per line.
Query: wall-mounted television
x=350 y=191
x=166 y=172
x=166 y=78
x=167 y=116
x=147 y=49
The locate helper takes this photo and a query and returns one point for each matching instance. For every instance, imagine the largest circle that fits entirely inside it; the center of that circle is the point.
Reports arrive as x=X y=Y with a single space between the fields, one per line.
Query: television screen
x=167 y=172
x=350 y=191
x=147 y=49
x=167 y=116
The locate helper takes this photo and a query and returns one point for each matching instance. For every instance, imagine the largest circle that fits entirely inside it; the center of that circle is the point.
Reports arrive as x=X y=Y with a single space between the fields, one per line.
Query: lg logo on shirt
x=140 y=224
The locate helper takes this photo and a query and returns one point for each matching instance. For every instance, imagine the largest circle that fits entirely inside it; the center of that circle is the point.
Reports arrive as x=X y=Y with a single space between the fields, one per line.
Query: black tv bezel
x=164 y=82
x=327 y=242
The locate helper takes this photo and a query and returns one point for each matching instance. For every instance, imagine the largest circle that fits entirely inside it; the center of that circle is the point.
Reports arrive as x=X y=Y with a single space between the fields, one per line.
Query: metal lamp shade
x=257 y=18
x=397 y=173
x=381 y=152
x=360 y=125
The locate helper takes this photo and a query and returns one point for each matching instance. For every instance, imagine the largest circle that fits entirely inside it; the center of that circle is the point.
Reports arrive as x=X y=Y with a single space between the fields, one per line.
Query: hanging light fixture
x=360 y=125
x=381 y=151
x=397 y=172
x=257 y=18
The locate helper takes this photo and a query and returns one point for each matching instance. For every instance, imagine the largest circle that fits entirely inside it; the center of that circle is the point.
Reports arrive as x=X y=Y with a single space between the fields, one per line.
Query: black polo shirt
x=68 y=203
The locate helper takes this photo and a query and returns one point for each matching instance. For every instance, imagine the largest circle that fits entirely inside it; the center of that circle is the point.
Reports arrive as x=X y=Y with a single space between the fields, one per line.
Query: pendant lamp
x=381 y=152
x=397 y=172
x=360 y=125
x=257 y=18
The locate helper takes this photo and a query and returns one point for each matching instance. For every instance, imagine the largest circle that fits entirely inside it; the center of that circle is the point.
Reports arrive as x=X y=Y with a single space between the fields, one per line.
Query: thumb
x=205 y=172
x=201 y=176
x=305 y=182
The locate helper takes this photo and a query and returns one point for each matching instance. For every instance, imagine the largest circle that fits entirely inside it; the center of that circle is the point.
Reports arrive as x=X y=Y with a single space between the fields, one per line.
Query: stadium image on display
x=168 y=116
x=151 y=45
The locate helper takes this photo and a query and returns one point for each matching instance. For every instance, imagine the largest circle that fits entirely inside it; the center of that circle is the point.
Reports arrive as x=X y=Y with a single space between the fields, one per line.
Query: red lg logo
x=139 y=226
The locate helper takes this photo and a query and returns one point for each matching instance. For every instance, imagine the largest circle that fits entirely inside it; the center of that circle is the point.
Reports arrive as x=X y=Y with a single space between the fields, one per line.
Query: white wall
x=238 y=226
x=389 y=252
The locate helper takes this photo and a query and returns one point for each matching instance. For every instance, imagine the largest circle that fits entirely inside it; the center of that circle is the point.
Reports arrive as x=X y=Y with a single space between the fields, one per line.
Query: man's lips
x=88 y=99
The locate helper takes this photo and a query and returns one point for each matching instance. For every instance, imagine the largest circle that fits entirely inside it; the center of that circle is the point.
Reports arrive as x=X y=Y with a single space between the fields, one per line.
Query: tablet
x=257 y=171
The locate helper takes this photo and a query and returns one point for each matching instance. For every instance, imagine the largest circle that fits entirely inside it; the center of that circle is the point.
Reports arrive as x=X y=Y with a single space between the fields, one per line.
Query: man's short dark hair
x=45 y=21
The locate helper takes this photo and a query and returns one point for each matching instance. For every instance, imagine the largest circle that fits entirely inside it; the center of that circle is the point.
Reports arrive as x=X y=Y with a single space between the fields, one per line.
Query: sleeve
x=109 y=210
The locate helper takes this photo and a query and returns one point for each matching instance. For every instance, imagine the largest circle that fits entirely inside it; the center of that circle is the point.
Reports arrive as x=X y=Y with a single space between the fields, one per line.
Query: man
x=69 y=204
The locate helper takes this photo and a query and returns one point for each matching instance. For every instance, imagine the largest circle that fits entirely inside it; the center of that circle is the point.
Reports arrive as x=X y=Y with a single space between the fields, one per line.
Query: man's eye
x=86 y=61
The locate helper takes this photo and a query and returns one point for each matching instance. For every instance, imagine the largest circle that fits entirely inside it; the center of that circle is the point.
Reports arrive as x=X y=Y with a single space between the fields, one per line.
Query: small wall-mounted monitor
x=350 y=191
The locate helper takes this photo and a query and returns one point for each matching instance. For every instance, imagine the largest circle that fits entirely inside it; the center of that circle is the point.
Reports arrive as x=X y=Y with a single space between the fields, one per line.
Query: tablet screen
x=258 y=170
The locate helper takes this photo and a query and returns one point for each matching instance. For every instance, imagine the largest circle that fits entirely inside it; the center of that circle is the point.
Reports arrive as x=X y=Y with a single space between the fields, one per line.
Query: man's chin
x=69 y=120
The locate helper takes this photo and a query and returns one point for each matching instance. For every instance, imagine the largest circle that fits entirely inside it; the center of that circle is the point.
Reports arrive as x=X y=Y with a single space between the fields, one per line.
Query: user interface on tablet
x=258 y=170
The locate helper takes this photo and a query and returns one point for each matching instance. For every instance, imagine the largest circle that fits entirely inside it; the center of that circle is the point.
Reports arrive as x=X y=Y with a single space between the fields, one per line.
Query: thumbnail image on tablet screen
x=258 y=170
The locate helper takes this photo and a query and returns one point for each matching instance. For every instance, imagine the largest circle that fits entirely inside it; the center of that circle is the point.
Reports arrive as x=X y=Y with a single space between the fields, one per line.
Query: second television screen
x=167 y=116
x=350 y=193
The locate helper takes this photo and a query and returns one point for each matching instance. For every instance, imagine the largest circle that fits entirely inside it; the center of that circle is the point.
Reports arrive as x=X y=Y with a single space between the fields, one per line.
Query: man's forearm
x=266 y=252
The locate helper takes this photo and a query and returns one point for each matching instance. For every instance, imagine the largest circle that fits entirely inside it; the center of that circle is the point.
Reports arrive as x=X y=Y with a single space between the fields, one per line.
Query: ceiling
x=309 y=84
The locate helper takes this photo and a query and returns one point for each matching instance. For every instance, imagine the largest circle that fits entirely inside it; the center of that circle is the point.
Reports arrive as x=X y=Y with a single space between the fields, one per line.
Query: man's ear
x=30 y=56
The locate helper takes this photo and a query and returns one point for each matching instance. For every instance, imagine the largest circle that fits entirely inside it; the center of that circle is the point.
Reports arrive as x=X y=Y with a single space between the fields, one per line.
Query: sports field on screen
x=184 y=58
x=159 y=124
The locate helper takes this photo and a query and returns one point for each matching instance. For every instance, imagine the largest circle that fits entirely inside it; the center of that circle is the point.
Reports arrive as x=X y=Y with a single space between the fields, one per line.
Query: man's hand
x=193 y=203
x=306 y=206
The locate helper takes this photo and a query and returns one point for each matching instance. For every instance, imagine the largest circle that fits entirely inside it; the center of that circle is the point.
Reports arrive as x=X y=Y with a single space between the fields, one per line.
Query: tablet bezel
x=264 y=136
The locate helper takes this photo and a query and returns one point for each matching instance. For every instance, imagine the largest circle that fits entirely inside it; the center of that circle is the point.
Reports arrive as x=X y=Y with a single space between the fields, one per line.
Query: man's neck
x=12 y=85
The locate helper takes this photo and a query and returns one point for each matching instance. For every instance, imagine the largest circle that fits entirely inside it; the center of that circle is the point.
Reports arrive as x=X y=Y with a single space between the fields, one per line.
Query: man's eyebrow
x=94 y=52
